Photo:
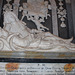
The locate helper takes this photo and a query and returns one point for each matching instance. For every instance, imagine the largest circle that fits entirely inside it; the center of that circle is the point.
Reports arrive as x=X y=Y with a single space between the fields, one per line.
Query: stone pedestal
x=38 y=55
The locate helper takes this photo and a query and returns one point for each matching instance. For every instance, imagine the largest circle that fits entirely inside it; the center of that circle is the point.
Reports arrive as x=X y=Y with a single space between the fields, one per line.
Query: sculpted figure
x=44 y=9
x=13 y=24
x=25 y=10
x=17 y=37
x=36 y=13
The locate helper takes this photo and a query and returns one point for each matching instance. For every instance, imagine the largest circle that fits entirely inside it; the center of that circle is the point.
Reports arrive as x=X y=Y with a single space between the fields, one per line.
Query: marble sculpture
x=36 y=13
x=16 y=36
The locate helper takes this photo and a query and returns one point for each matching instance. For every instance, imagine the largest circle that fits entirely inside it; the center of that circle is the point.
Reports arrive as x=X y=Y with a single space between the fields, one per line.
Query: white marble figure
x=36 y=13
x=15 y=36
x=25 y=10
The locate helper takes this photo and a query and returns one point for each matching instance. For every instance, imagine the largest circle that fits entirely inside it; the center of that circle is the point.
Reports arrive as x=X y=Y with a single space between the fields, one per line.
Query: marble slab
x=37 y=55
x=37 y=69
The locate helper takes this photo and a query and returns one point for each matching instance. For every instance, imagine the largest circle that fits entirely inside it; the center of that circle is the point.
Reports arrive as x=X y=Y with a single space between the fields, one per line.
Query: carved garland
x=62 y=13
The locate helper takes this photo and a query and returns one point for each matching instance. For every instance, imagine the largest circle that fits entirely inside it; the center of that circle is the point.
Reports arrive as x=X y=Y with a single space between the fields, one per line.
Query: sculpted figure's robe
x=13 y=25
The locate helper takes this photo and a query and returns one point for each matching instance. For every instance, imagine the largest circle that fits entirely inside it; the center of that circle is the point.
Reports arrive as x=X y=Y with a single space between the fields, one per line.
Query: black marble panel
x=70 y=20
x=1 y=17
x=63 y=31
x=73 y=15
x=23 y=60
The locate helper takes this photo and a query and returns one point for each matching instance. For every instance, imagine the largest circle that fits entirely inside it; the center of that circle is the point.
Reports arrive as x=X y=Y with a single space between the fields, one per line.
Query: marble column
x=54 y=17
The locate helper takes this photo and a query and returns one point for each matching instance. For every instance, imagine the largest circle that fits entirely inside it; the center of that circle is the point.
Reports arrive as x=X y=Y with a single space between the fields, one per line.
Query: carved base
x=38 y=55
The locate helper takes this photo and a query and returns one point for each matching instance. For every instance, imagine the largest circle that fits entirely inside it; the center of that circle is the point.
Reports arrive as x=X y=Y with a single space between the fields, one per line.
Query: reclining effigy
x=16 y=36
